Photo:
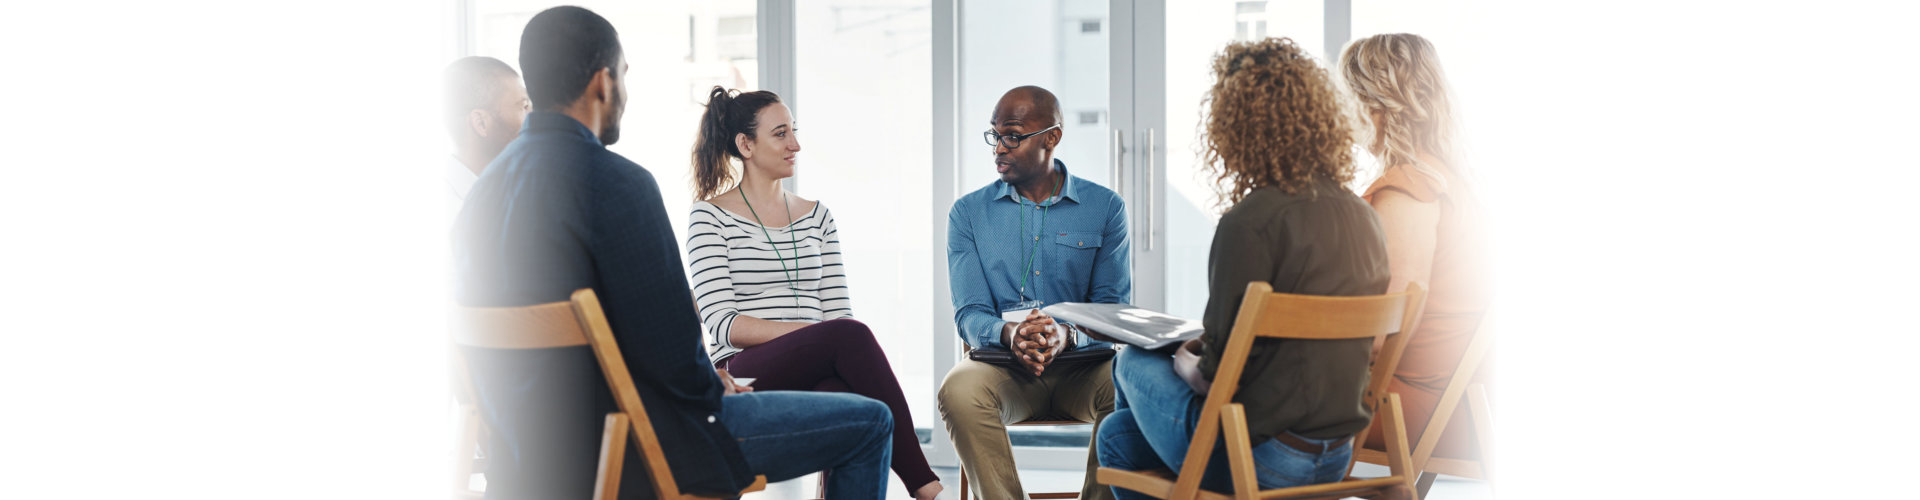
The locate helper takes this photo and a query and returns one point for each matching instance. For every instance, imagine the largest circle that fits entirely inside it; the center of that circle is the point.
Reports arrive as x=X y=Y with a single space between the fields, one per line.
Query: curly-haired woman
x=1430 y=214
x=1280 y=148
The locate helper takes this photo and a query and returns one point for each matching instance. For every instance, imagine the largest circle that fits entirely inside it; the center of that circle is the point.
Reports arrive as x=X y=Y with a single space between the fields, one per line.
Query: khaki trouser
x=978 y=400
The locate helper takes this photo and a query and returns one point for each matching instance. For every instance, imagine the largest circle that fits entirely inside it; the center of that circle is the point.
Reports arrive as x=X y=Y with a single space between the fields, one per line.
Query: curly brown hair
x=1274 y=119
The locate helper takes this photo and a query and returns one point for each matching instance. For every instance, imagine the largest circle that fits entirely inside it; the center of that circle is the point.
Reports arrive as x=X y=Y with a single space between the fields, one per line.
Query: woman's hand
x=732 y=387
x=1186 y=364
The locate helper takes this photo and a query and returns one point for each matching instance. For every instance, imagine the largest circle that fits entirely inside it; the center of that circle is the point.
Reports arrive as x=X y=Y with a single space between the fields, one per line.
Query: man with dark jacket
x=556 y=212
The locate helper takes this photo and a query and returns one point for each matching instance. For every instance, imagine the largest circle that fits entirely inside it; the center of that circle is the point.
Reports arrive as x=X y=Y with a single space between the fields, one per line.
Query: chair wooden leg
x=1398 y=492
x=963 y=481
x=1482 y=413
x=613 y=454
x=1425 y=483
x=1399 y=463
x=1239 y=451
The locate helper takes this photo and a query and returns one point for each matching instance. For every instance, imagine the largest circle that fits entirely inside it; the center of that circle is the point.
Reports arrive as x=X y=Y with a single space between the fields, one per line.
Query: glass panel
x=1434 y=20
x=1061 y=45
x=676 y=50
x=867 y=137
x=1196 y=31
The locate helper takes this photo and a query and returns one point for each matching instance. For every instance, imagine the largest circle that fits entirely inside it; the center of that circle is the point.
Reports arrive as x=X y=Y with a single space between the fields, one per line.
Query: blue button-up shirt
x=1082 y=256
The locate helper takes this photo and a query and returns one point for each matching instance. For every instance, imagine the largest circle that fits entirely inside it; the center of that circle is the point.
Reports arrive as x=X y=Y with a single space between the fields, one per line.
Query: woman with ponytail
x=1431 y=217
x=768 y=277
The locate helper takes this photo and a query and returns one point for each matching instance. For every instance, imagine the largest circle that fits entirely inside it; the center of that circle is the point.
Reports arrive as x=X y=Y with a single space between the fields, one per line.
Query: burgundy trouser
x=838 y=356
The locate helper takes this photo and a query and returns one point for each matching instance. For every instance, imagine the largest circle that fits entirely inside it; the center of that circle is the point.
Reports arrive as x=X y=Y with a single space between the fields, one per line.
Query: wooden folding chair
x=576 y=323
x=1460 y=388
x=1278 y=315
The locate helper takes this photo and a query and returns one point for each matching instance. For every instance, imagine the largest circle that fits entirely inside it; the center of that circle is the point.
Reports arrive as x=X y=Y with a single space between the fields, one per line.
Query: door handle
x=1151 y=182
x=1114 y=165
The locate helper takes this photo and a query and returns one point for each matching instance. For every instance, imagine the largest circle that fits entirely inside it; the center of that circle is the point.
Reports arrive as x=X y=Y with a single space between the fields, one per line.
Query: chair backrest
x=1265 y=314
x=586 y=308
x=578 y=322
x=530 y=327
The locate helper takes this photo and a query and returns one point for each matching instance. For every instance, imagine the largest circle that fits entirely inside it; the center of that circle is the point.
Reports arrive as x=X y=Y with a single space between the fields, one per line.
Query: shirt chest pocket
x=1078 y=241
x=1074 y=252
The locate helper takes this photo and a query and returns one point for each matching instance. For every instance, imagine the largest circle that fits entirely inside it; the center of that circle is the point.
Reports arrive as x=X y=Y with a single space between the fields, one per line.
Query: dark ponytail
x=729 y=112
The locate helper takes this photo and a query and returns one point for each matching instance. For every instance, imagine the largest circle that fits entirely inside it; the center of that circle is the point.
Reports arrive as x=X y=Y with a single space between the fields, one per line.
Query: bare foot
x=928 y=492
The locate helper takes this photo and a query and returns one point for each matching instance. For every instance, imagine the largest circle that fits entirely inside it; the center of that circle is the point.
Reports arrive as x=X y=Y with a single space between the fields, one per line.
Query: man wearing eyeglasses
x=1036 y=236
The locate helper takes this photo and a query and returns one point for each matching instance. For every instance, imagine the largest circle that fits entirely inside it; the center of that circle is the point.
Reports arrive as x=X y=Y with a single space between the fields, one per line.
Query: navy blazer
x=558 y=212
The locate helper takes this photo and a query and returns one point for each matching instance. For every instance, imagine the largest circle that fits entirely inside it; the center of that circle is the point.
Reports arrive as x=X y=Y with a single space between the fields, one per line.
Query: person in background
x=1007 y=255
x=557 y=212
x=768 y=276
x=485 y=105
x=1432 y=217
x=1281 y=150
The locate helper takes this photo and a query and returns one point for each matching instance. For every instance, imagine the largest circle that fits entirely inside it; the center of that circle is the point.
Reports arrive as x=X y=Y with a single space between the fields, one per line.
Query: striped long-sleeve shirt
x=736 y=271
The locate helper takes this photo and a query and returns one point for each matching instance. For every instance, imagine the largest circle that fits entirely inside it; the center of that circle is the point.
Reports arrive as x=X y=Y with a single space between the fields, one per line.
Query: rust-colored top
x=1460 y=288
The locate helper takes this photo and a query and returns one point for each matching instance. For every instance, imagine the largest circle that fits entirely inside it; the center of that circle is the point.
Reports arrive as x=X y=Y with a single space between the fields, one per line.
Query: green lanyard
x=1033 y=253
x=791 y=242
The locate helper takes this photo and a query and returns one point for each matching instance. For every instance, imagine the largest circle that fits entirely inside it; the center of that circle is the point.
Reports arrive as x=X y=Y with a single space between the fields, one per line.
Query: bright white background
x=221 y=259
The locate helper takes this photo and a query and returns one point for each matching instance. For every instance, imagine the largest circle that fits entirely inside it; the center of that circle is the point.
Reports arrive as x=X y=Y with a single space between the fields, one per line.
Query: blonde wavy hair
x=1398 y=85
x=1272 y=118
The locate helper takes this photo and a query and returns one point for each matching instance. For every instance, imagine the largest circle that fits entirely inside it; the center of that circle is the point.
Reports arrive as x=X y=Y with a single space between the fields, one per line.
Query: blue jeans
x=1154 y=414
x=788 y=434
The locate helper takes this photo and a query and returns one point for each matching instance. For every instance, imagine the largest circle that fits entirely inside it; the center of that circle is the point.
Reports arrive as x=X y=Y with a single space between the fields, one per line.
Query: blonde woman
x=1430 y=213
x=1282 y=153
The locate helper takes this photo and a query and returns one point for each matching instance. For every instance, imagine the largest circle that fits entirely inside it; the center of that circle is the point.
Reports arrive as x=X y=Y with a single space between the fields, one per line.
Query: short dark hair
x=561 y=49
x=471 y=83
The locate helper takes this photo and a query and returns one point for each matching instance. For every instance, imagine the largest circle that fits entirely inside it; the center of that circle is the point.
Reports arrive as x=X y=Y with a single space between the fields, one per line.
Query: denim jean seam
x=1328 y=459
x=1330 y=453
x=1264 y=469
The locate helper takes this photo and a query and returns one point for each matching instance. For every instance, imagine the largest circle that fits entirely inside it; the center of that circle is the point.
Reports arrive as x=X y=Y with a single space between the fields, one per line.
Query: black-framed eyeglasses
x=1012 y=141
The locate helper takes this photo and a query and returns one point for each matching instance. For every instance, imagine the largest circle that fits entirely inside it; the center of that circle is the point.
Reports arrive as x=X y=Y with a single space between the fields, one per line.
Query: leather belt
x=1295 y=442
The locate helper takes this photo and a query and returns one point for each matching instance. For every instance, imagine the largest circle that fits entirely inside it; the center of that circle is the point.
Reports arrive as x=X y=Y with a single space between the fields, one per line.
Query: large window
x=1061 y=45
x=677 y=50
x=1196 y=32
x=863 y=108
